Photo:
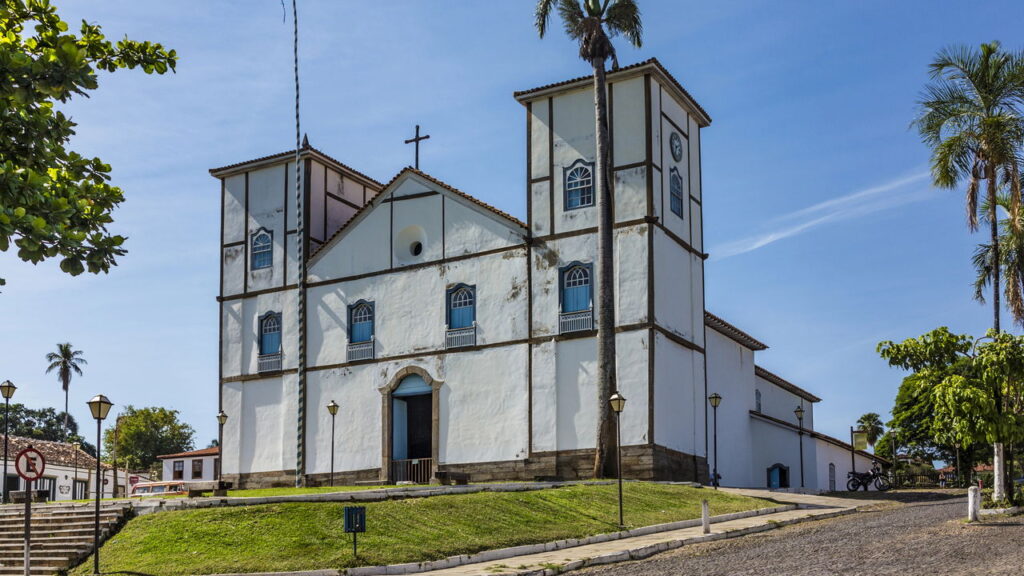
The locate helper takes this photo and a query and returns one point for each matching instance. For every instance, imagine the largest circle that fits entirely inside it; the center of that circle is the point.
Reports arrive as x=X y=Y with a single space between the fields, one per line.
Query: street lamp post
x=100 y=407
x=618 y=402
x=74 y=479
x=715 y=399
x=332 y=407
x=800 y=418
x=7 y=389
x=222 y=418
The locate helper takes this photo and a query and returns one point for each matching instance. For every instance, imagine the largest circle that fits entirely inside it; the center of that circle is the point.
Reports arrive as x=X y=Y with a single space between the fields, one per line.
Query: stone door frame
x=386 y=412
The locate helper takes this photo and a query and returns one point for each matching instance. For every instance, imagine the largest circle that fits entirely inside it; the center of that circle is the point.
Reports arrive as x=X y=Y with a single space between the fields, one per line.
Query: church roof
x=785 y=384
x=307 y=150
x=524 y=95
x=733 y=332
x=448 y=188
x=212 y=451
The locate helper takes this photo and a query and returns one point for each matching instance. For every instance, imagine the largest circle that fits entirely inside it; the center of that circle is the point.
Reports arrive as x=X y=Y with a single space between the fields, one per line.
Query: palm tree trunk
x=66 y=391
x=998 y=462
x=604 y=455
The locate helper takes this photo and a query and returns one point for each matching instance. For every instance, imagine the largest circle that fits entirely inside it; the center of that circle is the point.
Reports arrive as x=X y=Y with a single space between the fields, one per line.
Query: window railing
x=268 y=362
x=576 y=321
x=460 y=337
x=360 y=350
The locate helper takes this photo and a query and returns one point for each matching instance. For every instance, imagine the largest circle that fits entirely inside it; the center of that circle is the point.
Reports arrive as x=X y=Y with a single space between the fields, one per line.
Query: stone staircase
x=62 y=535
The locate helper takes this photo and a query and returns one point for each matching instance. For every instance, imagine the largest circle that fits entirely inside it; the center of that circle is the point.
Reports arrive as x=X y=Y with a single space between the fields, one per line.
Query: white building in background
x=195 y=466
x=69 y=473
x=457 y=338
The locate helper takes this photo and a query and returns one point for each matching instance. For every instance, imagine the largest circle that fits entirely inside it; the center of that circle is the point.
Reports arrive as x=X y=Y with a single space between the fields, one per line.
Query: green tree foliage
x=960 y=391
x=871 y=423
x=55 y=203
x=45 y=424
x=142 y=434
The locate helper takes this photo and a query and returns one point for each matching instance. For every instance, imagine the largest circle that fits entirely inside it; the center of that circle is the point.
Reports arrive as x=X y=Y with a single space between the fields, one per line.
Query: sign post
x=355 y=522
x=30 y=465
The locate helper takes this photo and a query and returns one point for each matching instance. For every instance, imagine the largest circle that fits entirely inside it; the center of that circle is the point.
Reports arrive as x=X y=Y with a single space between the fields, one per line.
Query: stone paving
x=813 y=507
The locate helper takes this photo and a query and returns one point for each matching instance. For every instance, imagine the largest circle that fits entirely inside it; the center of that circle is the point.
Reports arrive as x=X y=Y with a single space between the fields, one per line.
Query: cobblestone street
x=925 y=536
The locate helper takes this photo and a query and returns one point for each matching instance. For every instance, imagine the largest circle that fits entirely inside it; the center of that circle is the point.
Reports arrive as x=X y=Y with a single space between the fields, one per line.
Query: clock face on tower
x=677 y=146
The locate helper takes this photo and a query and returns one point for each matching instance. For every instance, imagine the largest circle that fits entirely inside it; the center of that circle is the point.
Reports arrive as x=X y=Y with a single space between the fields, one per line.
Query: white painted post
x=973 y=503
x=705 y=517
x=998 y=470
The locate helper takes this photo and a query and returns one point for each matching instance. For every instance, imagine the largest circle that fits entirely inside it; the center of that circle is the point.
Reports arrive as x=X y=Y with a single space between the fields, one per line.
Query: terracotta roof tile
x=733 y=332
x=59 y=453
x=785 y=384
x=522 y=94
x=289 y=154
x=193 y=454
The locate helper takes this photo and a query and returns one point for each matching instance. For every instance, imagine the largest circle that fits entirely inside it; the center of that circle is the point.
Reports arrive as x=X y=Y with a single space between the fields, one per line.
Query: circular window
x=410 y=245
x=416 y=248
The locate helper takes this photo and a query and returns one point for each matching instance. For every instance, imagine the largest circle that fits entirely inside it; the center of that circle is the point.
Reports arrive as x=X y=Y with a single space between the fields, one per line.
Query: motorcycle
x=858 y=480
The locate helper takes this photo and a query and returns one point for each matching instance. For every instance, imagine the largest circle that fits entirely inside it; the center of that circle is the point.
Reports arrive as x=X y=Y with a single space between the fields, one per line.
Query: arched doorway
x=410 y=442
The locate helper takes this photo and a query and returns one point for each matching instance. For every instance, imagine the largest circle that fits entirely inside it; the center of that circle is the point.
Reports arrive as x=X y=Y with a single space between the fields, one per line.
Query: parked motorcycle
x=858 y=480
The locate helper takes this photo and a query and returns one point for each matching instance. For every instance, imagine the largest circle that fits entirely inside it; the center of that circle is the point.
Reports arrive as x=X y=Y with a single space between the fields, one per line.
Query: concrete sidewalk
x=634 y=548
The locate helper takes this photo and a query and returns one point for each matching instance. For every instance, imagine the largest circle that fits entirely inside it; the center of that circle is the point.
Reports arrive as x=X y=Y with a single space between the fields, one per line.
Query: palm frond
x=983 y=260
x=542 y=15
x=573 y=18
x=623 y=17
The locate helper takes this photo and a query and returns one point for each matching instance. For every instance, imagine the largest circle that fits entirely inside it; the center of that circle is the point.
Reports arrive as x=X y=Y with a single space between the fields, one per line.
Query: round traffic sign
x=30 y=464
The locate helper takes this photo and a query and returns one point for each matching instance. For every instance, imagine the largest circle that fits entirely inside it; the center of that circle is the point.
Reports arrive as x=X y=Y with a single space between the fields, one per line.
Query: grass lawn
x=308 y=535
x=263 y=492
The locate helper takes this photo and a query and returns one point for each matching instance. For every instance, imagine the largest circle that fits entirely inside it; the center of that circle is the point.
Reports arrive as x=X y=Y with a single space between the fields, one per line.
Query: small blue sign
x=355 y=519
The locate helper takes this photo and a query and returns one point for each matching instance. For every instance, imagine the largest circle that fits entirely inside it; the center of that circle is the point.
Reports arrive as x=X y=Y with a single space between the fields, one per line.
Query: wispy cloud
x=885 y=196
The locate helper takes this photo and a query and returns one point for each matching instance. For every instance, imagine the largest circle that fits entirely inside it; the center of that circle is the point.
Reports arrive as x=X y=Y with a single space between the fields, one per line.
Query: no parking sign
x=30 y=464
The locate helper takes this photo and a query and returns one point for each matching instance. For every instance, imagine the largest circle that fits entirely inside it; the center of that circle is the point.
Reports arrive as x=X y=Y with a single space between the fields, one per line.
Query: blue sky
x=824 y=231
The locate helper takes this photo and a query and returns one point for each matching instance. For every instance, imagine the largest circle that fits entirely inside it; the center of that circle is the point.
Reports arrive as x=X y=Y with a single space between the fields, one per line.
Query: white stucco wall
x=678 y=397
x=678 y=289
x=167 y=469
x=731 y=375
x=828 y=453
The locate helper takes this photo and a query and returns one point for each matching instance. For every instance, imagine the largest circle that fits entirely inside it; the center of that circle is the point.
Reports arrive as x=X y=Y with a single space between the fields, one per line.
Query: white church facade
x=457 y=338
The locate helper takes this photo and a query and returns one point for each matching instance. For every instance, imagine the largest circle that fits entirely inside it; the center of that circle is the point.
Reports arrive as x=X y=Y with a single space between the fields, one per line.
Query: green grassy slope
x=305 y=536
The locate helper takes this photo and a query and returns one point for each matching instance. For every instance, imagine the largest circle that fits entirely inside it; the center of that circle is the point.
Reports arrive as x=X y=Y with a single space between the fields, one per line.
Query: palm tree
x=971 y=119
x=593 y=23
x=871 y=424
x=1011 y=256
x=66 y=361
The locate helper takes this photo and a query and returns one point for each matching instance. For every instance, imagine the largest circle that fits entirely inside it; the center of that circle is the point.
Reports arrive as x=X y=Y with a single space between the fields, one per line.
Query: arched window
x=675 y=183
x=361 y=318
x=262 y=249
x=579 y=185
x=461 y=306
x=576 y=288
x=270 y=334
x=757 y=400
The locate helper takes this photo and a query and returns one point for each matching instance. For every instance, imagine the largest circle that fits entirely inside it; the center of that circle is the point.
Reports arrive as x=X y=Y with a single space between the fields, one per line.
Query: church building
x=454 y=337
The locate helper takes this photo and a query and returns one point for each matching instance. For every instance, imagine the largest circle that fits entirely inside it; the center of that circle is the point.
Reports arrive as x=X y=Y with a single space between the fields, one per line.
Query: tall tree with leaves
x=1010 y=257
x=66 y=361
x=871 y=424
x=971 y=118
x=55 y=203
x=142 y=434
x=593 y=23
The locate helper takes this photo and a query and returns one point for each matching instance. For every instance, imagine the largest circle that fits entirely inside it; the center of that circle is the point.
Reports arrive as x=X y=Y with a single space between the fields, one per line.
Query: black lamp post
x=74 y=479
x=100 y=407
x=715 y=399
x=332 y=407
x=618 y=402
x=800 y=418
x=222 y=418
x=7 y=389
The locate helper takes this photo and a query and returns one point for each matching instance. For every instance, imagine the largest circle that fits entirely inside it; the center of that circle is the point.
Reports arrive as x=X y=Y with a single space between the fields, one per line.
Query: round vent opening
x=416 y=248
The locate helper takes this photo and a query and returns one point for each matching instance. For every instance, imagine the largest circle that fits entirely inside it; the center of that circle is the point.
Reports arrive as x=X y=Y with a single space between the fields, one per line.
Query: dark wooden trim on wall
x=683 y=243
x=529 y=348
x=257 y=293
x=220 y=312
x=417 y=265
x=259 y=376
x=245 y=264
x=307 y=168
x=551 y=164
x=529 y=167
x=393 y=198
x=683 y=133
x=233 y=244
x=649 y=145
x=443 y=232
x=284 y=239
x=651 y=357
x=640 y=164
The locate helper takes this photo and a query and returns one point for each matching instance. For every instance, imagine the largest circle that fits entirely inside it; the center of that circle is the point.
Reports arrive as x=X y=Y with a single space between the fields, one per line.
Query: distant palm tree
x=66 y=361
x=593 y=23
x=971 y=118
x=1011 y=257
x=871 y=424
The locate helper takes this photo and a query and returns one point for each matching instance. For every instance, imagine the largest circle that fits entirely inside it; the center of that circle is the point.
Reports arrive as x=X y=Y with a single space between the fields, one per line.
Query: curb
x=505 y=553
